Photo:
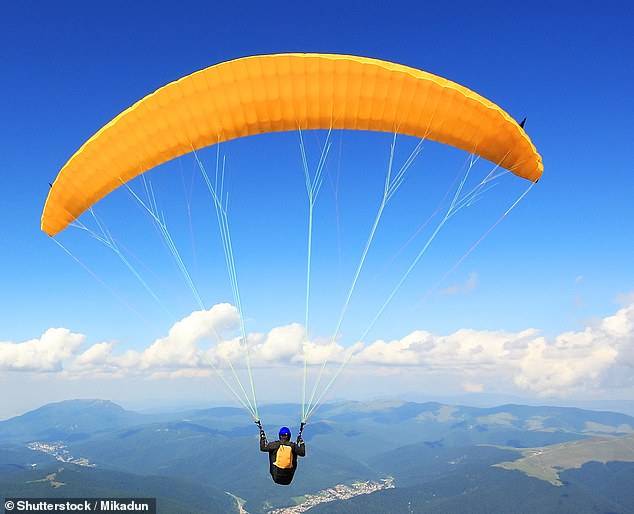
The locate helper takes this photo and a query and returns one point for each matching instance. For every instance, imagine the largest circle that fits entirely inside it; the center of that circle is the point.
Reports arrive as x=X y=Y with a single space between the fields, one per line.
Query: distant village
x=338 y=492
x=60 y=452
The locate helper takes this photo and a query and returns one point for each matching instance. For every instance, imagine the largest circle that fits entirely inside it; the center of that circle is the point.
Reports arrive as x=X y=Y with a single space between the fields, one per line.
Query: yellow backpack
x=284 y=457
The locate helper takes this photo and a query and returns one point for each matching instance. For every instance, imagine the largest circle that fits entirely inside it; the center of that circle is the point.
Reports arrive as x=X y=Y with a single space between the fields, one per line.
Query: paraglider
x=276 y=93
x=283 y=454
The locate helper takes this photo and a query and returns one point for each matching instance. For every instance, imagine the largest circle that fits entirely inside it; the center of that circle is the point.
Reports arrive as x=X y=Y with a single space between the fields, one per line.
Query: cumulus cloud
x=565 y=365
x=576 y=361
x=206 y=341
x=414 y=349
x=568 y=363
x=44 y=354
x=280 y=344
x=464 y=348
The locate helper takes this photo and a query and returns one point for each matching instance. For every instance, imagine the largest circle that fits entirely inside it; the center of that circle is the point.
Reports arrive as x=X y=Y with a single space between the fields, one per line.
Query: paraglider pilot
x=283 y=454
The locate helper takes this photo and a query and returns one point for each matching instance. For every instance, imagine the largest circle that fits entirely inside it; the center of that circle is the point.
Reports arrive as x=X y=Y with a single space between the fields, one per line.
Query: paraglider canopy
x=273 y=93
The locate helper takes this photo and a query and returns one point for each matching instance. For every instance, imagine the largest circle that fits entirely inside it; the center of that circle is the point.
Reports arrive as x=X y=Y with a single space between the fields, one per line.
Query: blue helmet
x=285 y=432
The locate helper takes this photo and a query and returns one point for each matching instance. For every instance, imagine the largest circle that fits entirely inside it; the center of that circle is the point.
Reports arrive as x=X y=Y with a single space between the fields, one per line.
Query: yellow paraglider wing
x=274 y=93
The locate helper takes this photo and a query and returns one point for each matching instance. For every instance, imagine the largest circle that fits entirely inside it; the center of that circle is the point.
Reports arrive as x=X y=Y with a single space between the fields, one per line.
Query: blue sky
x=559 y=264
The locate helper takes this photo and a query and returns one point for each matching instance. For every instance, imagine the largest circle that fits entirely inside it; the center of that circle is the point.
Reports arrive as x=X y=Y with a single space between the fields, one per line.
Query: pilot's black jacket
x=280 y=475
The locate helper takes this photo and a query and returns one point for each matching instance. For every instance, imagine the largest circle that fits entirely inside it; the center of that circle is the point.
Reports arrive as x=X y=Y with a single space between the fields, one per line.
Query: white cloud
x=181 y=346
x=44 y=354
x=464 y=348
x=97 y=354
x=568 y=363
x=414 y=349
x=565 y=365
x=280 y=344
x=474 y=360
x=580 y=361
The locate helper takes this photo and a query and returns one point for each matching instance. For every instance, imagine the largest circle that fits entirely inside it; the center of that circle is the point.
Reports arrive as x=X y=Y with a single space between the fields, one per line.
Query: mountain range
x=435 y=457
